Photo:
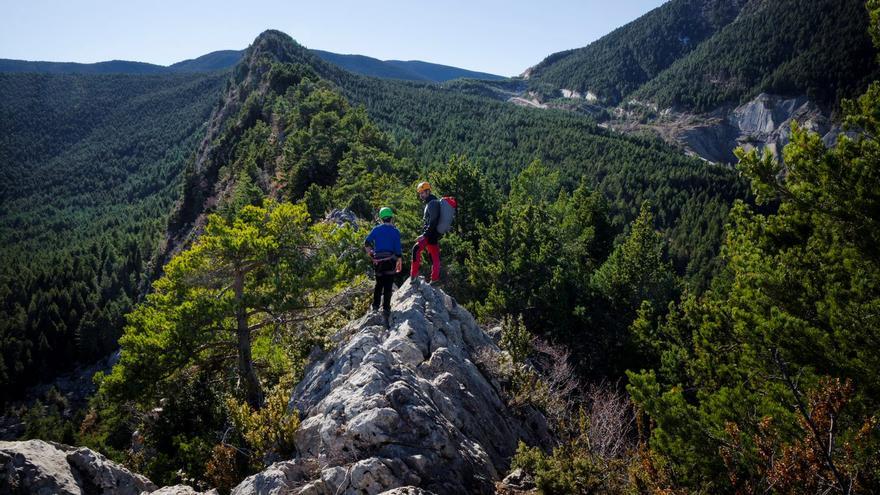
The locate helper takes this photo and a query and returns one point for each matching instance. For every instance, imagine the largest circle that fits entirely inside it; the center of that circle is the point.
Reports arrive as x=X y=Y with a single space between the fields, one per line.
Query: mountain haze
x=214 y=61
x=110 y=67
x=412 y=70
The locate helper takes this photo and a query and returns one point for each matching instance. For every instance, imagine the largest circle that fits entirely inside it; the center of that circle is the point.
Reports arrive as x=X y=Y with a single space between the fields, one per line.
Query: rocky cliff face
x=402 y=405
x=764 y=122
x=398 y=408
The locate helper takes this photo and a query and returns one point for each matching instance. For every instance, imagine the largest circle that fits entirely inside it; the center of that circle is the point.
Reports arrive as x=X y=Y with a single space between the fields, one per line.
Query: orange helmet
x=423 y=186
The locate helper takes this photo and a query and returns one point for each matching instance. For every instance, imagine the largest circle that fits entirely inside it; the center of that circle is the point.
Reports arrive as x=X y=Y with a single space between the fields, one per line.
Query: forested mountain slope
x=368 y=66
x=817 y=48
x=408 y=70
x=700 y=54
x=90 y=166
x=219 y=60
x=101 y=181
x=630 y=56
x=690 y=198
x=108 y=67
x=214 y=61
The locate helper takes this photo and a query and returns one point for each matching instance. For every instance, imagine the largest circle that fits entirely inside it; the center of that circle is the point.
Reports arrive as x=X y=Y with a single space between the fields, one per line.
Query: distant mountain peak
x=273 y=45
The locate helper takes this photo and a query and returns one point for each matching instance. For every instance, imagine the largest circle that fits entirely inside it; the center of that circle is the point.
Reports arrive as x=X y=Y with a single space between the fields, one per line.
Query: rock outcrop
x=39 y=467
x=401 y=408
x=402 y=405
x=47 y=468
x=763 y=123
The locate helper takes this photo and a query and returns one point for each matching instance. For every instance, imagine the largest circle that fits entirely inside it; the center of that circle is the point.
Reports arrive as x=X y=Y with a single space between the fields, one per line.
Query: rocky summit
x=402 y=405
x=399 y=407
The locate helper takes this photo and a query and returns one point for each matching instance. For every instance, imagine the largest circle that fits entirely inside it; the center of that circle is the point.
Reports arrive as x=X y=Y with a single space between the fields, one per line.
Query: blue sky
x=492 y=36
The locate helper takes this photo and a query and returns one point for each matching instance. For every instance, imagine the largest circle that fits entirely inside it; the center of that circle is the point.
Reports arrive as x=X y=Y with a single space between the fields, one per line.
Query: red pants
x=433 y=250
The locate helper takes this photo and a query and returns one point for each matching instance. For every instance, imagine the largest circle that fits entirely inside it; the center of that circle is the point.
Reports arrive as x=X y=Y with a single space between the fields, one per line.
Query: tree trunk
x=247 y=376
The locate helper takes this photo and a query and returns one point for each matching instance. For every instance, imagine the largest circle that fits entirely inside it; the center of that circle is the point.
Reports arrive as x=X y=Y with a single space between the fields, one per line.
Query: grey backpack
x=448 y=205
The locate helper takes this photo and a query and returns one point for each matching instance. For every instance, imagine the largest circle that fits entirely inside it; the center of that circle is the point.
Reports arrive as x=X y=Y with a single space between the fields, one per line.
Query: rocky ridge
x=398 y=408
x=402 y=405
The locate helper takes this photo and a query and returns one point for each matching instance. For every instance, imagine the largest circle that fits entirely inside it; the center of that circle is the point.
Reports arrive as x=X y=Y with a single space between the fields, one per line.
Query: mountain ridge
x=746 y=54
x=410 y=70
x=619 y=62
x=411 y=403
x=210 y=62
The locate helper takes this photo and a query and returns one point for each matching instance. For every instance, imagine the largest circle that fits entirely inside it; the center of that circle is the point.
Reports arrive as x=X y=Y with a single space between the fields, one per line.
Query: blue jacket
x=385 y=238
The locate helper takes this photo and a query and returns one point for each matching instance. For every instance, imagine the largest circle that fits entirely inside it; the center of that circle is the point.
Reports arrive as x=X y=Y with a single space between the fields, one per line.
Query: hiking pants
x=384 y=284
x=433 y=250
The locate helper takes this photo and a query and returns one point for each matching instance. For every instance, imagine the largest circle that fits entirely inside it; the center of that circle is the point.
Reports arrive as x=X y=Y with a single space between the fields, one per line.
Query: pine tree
x=241 y=276
x=772 y=378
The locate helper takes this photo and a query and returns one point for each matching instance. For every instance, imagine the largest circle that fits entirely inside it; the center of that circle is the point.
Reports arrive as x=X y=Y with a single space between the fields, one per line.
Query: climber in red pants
x=430 y=237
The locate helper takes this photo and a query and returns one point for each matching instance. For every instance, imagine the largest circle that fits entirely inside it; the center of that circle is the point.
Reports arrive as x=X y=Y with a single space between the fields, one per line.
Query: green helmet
x=385 y=213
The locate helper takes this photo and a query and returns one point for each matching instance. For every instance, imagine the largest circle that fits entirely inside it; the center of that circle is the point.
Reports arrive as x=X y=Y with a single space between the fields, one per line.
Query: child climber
x=383 y=247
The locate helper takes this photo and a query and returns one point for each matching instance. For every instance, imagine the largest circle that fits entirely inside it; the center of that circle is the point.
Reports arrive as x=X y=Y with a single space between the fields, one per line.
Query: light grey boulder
x=519 y=480
x=105 y=476
x=407 y=490
x=278 y=479
x=182 y=490
x=342 y=217
x=403 y=405
x=39 y=467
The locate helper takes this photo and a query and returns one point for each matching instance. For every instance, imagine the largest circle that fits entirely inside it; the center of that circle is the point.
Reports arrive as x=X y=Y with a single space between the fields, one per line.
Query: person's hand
x=399 y=267
x=369 y=252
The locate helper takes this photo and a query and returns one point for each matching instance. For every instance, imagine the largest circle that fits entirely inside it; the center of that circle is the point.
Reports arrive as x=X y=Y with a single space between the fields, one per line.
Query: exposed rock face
x=39 y=467
x=401 y=410
x=570 y=93
x=342 y=217
x=401 y=406
x=47 y=468
x=764 y=122
x=518 y=480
